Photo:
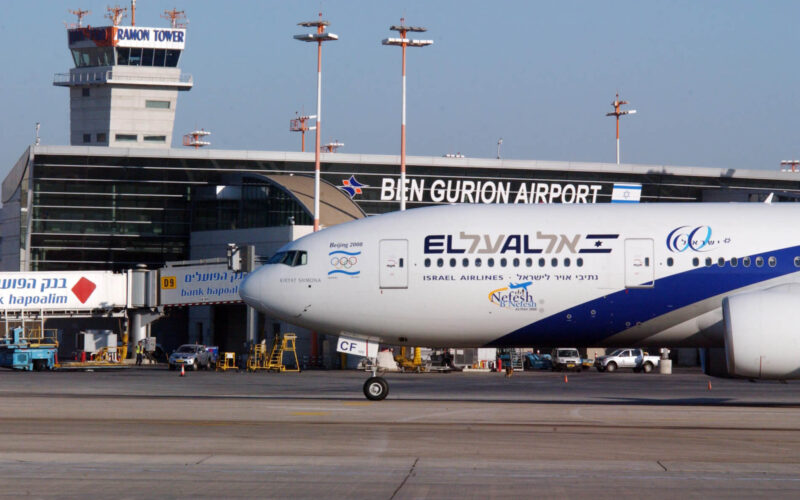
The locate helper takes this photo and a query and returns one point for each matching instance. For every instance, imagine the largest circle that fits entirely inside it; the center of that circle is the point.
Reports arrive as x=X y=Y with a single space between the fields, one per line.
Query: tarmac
x=149 y=433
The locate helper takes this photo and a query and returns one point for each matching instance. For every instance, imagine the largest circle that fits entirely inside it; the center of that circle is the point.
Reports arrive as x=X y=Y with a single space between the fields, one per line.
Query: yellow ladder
x=283 y=344
x=258 y=358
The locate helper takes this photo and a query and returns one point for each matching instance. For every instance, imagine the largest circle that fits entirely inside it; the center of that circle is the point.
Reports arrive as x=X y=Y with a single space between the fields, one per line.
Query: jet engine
x=762 y=333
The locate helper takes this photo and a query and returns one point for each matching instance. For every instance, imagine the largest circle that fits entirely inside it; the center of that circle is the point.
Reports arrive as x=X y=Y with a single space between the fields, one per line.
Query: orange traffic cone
x=183 y=373
x=566 y=380
x=709 y=385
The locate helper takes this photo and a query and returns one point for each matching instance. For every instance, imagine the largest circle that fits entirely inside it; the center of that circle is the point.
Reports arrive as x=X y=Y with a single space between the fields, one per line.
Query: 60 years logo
x=696 y=239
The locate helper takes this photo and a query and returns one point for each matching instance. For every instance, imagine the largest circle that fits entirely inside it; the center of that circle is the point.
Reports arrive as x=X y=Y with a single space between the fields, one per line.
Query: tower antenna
x=175 y=17
x=116 y=14
x=81 y=14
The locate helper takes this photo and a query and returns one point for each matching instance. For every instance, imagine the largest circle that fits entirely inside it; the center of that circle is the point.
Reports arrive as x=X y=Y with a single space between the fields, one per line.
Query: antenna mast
x=174 y=17
x=116 y=14
x=81 y=14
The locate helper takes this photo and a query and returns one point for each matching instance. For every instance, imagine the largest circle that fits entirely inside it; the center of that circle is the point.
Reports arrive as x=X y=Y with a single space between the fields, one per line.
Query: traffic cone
x=566 y=380
x=183 y=373
x=709 y=385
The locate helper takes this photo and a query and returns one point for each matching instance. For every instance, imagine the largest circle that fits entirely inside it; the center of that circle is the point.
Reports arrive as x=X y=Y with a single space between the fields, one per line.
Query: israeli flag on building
x=626 y=193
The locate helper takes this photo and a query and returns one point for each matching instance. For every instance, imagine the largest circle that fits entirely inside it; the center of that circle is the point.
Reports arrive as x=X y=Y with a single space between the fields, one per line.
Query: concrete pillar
x=138 y=332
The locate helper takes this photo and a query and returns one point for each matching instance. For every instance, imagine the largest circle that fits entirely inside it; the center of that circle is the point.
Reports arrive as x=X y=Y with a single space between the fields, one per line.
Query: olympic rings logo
x=684 y=238
x=344 y=262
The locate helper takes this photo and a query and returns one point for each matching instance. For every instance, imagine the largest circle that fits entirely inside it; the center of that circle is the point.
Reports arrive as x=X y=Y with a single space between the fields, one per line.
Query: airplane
x=614 y=275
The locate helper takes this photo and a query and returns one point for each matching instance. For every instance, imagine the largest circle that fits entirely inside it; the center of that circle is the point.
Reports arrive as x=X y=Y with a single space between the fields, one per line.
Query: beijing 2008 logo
x=344 y=262
x=697 y=239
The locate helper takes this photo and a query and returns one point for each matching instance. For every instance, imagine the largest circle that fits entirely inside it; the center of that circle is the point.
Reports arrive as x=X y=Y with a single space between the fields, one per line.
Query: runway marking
x=309 y=413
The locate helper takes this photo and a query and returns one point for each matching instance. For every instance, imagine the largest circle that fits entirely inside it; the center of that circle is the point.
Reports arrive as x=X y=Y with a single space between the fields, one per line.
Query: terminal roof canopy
x=334 y=205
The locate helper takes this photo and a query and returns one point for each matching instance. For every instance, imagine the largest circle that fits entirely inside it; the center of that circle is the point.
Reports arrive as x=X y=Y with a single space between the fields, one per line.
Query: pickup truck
x=636 y=359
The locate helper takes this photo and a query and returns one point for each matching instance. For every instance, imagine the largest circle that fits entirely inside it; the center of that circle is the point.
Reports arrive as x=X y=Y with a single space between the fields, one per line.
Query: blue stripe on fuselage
x=618 y=311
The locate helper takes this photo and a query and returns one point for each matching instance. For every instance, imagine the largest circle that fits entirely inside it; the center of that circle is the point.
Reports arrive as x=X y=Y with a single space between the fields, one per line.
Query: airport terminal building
x=101 y=208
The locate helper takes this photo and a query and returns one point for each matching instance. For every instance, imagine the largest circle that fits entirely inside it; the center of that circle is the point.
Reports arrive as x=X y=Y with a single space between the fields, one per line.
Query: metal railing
x=110 y=76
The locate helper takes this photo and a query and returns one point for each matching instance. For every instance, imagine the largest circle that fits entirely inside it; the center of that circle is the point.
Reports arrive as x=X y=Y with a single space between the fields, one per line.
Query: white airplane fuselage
x=532 y=275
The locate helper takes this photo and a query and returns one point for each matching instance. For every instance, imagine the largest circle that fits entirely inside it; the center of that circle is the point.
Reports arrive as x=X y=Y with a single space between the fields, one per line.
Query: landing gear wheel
x=376 y=389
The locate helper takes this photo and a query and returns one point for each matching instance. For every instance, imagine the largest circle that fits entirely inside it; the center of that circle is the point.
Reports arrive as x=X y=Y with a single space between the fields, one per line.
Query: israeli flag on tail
x=626 y=193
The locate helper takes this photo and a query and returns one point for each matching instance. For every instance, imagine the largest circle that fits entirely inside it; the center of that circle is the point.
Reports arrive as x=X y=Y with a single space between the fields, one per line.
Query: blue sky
x=715 y=83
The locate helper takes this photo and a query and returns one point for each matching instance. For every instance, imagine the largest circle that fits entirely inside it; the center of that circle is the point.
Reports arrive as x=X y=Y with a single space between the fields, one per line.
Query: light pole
x=617 y=113
x=499 y=143
x=404 y=42
x=318 y=37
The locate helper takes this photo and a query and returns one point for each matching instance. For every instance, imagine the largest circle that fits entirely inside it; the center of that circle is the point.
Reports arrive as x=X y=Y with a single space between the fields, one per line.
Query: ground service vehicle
x=193 y=356
x=635 y=359
x=520 y=275
x=566 y=358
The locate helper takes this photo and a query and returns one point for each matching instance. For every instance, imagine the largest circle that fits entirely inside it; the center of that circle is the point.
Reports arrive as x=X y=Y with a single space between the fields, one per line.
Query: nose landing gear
x=376 y=388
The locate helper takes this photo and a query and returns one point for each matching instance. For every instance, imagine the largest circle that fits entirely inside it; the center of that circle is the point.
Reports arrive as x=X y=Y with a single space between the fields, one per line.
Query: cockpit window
x=291 y=258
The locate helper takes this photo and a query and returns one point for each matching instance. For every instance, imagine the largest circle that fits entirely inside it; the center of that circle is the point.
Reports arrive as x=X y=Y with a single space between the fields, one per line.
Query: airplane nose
x=250 y=290
x=263 y=290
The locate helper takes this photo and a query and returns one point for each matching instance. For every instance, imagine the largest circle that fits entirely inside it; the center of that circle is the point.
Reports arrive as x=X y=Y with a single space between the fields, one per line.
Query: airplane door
x=639 y=267
x=394 y=263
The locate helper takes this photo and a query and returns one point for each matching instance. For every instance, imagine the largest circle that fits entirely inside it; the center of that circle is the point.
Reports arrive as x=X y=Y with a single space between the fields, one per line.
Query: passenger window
x=746 y=261
x=427 y=262
x=516 y=262
x=797 y=262
x=465 y=262
x=490 y=262
x=529 y=261
x=759 y=261
x=503 y=262
x=477 y=262
x=452 y=262
x=647 y=262
x=440 y=262
x=579 y=262
x=566 y=262
x=554 y=262
x=541 y=262
x=734 y=261
x=772 y=261
x=708 y=261
x=402 y=262
x=695 y=262
x=670 y=261
x=721 y=262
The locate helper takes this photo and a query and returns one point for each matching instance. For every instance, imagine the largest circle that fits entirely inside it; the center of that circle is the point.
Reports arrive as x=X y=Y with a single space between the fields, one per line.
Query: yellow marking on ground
x=309 y=413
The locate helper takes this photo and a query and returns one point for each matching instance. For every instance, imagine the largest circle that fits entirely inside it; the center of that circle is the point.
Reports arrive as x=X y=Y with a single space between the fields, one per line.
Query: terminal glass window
x=147 y=57
x=155 y=138
x=172 y=57
x=156 y=104
x=126 y=137
x=158 y=57
x=94 y=56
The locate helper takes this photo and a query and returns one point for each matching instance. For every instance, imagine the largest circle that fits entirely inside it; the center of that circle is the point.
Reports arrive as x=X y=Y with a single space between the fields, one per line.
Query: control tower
x=123 y=90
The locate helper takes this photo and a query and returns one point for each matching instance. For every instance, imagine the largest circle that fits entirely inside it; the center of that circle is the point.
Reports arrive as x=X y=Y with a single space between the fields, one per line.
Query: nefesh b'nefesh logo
x=515 y=296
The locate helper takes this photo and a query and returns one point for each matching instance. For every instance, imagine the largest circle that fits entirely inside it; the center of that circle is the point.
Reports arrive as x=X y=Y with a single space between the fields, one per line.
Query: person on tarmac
x=139 y=352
